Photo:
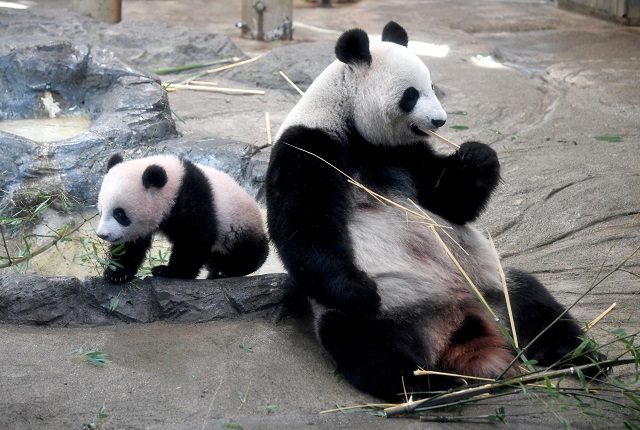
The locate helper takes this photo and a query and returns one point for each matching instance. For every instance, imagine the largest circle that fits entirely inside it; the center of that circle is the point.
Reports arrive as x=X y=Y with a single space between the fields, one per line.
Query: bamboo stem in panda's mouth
x=444 y=139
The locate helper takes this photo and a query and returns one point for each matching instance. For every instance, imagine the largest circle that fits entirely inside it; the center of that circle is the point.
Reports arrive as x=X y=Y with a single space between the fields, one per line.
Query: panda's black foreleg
x=126 y=260
x=248 y=253
x=377 y=355
x=534 y=309
x=307 y=210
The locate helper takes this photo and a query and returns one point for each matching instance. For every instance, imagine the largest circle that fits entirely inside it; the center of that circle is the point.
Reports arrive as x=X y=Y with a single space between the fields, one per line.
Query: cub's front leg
x=125 y=262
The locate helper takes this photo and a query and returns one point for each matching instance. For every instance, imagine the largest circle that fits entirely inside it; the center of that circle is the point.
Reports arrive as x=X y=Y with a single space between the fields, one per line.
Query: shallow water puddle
x=47 y=129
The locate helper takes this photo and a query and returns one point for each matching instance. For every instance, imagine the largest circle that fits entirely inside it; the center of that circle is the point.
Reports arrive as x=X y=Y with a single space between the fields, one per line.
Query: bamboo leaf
x=113 y=304
x=632 y=397
x=611 y=139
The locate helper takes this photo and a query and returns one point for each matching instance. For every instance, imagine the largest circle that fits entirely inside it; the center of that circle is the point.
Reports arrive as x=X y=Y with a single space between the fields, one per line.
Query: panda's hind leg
x=246 y=255
x=377 y=355
x=534 y=309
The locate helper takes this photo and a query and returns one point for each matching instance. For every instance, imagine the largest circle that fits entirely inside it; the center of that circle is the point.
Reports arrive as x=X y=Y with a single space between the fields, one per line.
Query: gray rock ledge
x=69 y=301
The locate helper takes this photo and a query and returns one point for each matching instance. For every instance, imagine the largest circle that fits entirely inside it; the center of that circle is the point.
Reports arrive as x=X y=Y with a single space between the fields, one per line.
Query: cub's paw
x=479 y=156
x=162 y=271
x=118 y=275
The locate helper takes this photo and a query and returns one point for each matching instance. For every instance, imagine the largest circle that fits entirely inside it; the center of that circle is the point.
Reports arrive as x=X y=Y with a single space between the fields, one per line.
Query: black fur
x=154 y=176
x=191 y=226
x=115 y=159
x=353 y=47
x=249 y=252
x=127 y=260
x=392 y=32
x=409 y=99
x=534 y=308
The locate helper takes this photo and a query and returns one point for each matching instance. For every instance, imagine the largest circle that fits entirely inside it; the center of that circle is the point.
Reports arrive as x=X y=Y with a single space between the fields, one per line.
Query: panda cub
x=208 y=218
x=386 y=297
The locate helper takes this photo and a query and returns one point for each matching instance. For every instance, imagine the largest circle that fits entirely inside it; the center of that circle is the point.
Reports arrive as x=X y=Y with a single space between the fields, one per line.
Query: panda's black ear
x=353 y=47
x=115 y=159
x=393 y=32
x=154 y=176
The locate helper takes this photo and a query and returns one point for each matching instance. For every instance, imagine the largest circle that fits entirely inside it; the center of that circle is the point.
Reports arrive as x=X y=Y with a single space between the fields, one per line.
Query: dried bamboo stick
x=444 y=139
x=286 y=78
x=602 y=315
x=453 y=375
x=229 y=66
x=202 y=83
x=216 y=89
x=268 y=123
x=503 y=279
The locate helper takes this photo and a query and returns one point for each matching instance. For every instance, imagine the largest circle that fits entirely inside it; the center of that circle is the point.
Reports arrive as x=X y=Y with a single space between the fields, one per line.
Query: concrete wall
x=623 y=11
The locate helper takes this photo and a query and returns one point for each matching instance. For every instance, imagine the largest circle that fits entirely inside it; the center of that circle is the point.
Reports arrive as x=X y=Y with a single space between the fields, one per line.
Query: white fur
x=403 y=255
x=122 y=187
x=235 y=209
x=370 y=95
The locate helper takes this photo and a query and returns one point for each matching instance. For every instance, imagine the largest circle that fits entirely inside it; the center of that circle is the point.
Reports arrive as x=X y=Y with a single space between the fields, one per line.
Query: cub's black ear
x=393 y=32
x=353 y=47
x=115 y=159
x=154 y=176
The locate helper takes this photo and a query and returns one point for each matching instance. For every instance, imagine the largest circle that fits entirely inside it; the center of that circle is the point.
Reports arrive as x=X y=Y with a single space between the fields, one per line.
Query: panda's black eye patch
x=409 y=99
x=121 y=216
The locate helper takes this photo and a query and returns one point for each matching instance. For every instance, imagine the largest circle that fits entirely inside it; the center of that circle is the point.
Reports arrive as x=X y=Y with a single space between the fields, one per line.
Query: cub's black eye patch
x=409 y=99
x=121 y=216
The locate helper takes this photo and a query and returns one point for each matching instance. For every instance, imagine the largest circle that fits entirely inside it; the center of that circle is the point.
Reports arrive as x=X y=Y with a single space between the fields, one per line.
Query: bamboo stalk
x=463 y=273
x=602 y=315
x=230 y=66
x=60 y=234
x=192 y=66
x=202 y=83
x=453 y=375
x=444 y=139
x=215 y=89
x=350 y=408
x=268 y=123
x=286 y=78
x=459 y=395
x=506 y=292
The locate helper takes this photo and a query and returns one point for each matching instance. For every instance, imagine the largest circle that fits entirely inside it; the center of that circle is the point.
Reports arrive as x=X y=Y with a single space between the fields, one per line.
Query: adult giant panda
x=208 y=218
x=387 y=298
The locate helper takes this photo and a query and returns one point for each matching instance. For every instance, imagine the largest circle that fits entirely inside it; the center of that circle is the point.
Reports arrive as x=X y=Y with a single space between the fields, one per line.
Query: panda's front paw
x=118 y=275
x=476 y=155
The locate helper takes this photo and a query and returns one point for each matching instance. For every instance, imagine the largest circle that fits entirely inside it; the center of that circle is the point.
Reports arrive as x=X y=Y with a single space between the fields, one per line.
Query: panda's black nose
x=438 y=122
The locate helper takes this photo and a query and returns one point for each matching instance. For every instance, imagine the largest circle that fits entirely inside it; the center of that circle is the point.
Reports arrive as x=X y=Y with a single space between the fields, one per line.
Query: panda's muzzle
x=108 y=237
x=435 y=124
